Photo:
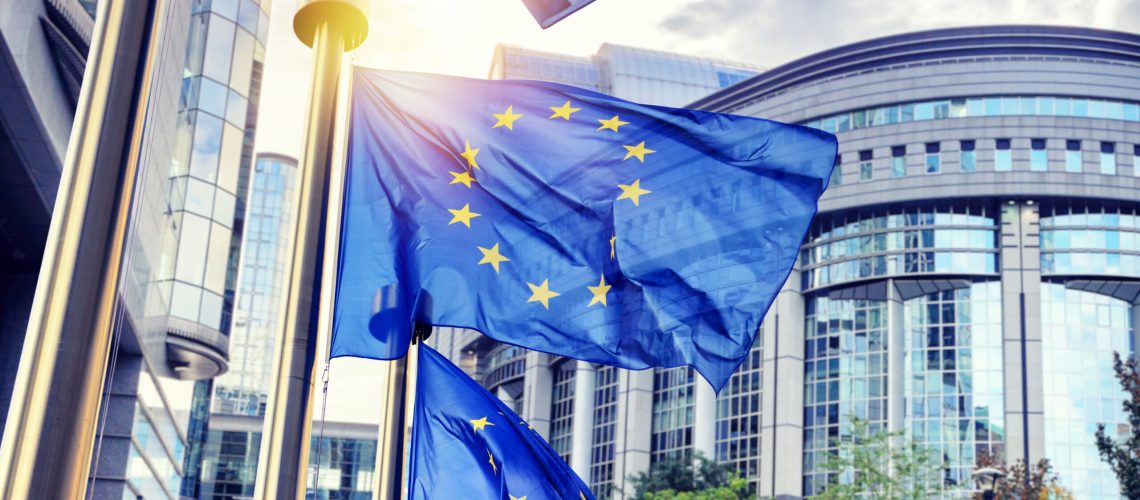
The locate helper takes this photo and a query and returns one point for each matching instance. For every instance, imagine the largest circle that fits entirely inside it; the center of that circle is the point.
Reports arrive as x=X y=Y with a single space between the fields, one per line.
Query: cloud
x=773 y=32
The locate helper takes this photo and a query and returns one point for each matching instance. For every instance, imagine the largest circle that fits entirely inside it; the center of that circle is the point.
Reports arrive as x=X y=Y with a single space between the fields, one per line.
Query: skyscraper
x=974 y=266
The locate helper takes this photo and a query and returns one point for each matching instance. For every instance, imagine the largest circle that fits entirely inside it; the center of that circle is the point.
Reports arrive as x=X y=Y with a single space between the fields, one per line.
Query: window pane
x=865 y=171
x=230 y=158
x=211 y=313
x=192 y=248
x=933 y=163
x=184 y=301
x=1108 y=163
x=247 y=17
x=235 y=109
x=242 y=67
x=969 y=161
x=1038 y=160
x=212 y=97
x=199 y=197
x=207 y=136
x=218 y=258
x=1003 y=161
x=219 y=48
x=1072 y=161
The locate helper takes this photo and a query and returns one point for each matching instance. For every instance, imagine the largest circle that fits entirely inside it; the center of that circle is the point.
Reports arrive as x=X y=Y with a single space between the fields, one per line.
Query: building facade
x=179 y=278
x=974 y=265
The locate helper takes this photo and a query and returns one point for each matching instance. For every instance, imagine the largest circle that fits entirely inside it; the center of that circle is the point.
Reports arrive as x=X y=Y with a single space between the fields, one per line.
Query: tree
x=692 y=477
x=875 y=469
x=1022 y=482
x=1124 y=456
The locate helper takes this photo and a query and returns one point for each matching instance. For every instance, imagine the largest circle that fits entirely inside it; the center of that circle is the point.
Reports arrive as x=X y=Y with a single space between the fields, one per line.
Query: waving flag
x=548 y=12
x=468 y=444
x=567 y=221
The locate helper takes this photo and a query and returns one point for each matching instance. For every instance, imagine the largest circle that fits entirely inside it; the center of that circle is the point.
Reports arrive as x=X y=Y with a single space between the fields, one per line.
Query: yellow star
x=492 y=256
x=462 y=177
x=479 y=423
x=613 y=239
x=581 y=496
x=463 y=215
x=632 y=192
x=507 y=118
x=516 y=498
x=469 y=154
x=528 y=426
x=563 y=111
x=611 y=124
x=638 y=151
x=491 y=459
x=599 y=292
x=542 y=293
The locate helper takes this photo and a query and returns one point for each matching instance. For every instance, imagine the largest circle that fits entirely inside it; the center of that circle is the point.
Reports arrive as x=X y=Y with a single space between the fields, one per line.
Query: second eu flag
x=567 y=221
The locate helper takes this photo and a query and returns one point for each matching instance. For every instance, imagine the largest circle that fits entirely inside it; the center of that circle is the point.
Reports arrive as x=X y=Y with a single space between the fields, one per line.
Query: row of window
x=968 y=107
x=897 y=264
x=1002 y=158
x=977 y=239
x=846 y=224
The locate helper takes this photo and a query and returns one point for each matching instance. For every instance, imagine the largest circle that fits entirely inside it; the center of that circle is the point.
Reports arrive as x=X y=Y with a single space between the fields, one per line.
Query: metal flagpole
x=399 y=397
x=330 y=27
x=53 y=414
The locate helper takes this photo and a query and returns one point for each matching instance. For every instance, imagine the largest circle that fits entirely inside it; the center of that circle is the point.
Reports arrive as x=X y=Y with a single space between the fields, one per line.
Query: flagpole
x=392 y=440
x=51 y=427
x=331 y=28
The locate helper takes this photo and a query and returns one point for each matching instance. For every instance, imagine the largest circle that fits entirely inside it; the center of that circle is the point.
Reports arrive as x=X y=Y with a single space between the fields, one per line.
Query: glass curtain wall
x=604 y=432
x=673 y=390
x=953 y=384
x=738 y=417
x=562 y=409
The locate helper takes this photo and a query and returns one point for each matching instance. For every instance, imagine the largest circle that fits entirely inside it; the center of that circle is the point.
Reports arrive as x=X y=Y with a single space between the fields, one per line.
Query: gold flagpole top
x=347 y=17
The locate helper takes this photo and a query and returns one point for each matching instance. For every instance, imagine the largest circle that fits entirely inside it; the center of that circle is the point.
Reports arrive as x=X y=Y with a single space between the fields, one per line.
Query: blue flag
x=548 y=12
x=468 y=444
x=567 y=221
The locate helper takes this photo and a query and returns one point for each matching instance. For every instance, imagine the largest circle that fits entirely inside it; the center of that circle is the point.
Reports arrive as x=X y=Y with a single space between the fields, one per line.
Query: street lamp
x=987 y=479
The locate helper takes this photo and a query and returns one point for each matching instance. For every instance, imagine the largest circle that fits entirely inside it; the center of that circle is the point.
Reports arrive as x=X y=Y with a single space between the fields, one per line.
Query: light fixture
x=1012 y=203
x=1029 y=202
x=987 y=479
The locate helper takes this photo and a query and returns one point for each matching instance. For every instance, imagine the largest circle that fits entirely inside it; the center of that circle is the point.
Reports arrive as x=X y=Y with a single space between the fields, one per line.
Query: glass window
x=993 y=106
x=199 y=197
x=1136 y=161
x=933 y=158
x=219 y=49
x=1038 y=156
x=207 y=136
x=230 y=158
x=241 y=69
x=837 y=172
x=184 y=301
x=1072 y=156
x=235 y=109
x=196 y=44
x=968 y=160
x=247 y=16
x=1003 y=158
x=227 y=8
x=211 y=311
x=865 y=171
x=218 y=259
x=192 y=248
x=211 y=96
x=898 y=161
x=1108 y=158
x=224 y=207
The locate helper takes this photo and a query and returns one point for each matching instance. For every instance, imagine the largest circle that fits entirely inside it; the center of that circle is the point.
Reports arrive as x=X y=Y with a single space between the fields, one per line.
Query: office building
x=974 y=265
x=178 y=281
x=636 y=74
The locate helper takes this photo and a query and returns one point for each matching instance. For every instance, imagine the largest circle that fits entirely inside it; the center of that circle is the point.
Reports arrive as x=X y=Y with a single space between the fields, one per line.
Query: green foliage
x=689 y=478
x=1124 y=456
x=872 y=468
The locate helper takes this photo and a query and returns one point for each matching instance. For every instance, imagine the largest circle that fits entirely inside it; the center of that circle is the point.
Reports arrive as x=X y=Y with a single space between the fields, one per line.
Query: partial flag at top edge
x=548 y=12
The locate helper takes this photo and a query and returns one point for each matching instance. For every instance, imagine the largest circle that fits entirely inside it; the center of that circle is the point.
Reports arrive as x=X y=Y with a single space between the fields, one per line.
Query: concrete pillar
x=634 y=430
x=704 y=417
x=782 y=414
x=582 y=439
x=1021 y=332
x=896 y=362
x=538 y=387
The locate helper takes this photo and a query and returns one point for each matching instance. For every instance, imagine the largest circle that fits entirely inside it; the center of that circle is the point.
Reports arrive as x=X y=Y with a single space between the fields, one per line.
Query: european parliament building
x=974 y=265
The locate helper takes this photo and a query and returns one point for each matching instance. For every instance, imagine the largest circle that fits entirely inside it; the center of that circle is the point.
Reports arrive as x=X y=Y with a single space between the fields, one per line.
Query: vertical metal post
x=389 y=459
x=50 y=432
x=330 y=27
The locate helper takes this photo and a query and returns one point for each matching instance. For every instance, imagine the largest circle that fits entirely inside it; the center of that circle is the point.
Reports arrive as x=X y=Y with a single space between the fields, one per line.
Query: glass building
x=640 y=75
x=974 y=265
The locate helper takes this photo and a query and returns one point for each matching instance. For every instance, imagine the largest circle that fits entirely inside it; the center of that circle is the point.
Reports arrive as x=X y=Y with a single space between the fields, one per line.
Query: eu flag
x=467 y=444
x=567 y=221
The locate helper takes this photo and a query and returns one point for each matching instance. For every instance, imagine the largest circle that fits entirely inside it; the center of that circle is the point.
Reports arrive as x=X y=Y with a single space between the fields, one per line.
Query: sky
x=458 y=37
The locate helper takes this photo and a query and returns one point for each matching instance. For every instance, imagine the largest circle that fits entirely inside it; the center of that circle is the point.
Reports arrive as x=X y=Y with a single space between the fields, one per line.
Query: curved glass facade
x=1090 y=240
x=953 y=385
x=1080 y=331
x=209 y=172
x=845 y=376
x=951 y=240
x=968 y=107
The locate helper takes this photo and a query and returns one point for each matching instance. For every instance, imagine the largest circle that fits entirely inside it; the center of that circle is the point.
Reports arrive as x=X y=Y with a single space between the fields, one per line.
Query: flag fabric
x=466 y=443
x=548 y=12
x=567 y=221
